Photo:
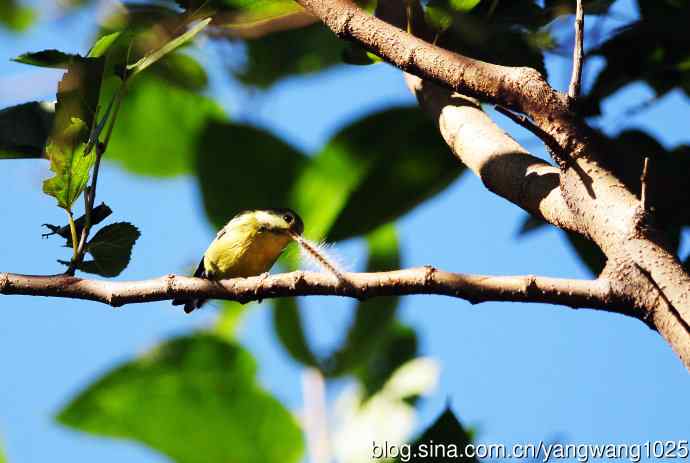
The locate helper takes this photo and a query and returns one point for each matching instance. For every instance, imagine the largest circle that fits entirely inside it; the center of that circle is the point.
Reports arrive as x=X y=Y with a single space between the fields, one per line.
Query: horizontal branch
x=422 y=280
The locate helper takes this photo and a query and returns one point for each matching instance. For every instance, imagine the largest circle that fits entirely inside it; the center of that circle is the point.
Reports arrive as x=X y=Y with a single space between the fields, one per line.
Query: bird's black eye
x=288 y=218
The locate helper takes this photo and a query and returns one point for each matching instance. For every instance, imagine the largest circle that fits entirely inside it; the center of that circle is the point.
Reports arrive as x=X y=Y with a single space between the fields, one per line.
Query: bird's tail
x=189 y=304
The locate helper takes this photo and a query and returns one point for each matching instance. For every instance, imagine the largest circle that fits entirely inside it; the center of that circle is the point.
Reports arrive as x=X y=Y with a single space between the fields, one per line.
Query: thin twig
x=578 y=56
x=644 y=179
x=524 y=122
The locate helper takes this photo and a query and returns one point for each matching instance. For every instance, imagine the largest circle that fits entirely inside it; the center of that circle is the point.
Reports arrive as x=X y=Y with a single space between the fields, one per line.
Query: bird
x=248 y=245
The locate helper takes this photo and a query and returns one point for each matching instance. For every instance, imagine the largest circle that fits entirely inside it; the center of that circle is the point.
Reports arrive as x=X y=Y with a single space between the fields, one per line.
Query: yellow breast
x=243 y=253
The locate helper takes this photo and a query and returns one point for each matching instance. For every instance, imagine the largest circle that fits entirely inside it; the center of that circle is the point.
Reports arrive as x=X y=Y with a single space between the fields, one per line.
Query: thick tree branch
x=599 y=204
x=503 y=165
x=518 y=88
x=423 y=280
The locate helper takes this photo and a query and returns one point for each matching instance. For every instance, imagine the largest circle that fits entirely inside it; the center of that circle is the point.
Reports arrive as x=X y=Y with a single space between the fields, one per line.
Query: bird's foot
x=260 y=285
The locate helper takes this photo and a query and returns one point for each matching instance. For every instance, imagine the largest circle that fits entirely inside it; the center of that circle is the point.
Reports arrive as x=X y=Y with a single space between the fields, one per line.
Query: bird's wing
x=200 y=271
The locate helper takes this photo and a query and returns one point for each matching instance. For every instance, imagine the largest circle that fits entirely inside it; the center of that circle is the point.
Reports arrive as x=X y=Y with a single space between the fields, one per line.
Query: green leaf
x=654 y=50
x=241 y=167
x=48 y=59
x=144 y=142
x=446 y=431
x=287 y=323
x=111 y=249
x=170 y=46
x=394 y=174
x=24 y=129
x=290 y=53
x=181 y=70
x=69 y=164
x=78 y=93
x=103 y=44
x=502 y=32
x=194 y=399
x=15 y=16
x=374 y=317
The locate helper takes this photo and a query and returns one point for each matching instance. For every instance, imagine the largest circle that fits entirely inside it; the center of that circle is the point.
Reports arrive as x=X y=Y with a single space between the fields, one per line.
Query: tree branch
x=578 y=57
x=503 y=165
x=518 y=88
x=422 y=280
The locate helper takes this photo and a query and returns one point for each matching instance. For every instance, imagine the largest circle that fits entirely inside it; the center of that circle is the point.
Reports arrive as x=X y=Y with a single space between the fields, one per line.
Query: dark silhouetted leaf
x=398 y=346
x=373 y=317
x=194 y=399
x=287 y=323
x=556 y=8
x=448 y=435
x=98 y=215
x=24 y=129
x=48 y=59
x=111 y=249
x=356 y=55
x=591 y=255
x=288 y=53
x=655 y=49
x=241 y=167
x=160 y=127
x=529 y=224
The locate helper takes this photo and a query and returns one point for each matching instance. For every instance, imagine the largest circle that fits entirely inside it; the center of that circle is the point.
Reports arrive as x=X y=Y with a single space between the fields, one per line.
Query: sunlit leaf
x=397 y=172
x=168 y=47
x=69 y=164
x=103 y=44
x=111 y=249
x=15 y=16
x=160 y=128
x=24 y=129
x=194 y=399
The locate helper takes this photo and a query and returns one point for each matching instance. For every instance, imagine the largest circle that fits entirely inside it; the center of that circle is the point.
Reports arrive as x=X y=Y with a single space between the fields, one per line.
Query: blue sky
x=516 y=372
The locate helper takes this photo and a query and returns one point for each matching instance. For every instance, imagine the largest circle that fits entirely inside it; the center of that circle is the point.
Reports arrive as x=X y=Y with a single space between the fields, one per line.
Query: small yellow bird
x=247 y=246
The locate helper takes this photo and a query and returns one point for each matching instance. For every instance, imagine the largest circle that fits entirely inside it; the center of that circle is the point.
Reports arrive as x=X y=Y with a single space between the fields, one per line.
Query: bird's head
x=281 y=221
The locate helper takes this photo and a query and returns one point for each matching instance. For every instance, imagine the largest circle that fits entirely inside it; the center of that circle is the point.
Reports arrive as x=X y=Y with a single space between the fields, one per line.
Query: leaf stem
x=90 y=192
x=73 y=231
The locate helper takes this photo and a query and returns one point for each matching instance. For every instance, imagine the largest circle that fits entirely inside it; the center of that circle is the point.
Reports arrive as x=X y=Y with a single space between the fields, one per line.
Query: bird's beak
x=294 y=235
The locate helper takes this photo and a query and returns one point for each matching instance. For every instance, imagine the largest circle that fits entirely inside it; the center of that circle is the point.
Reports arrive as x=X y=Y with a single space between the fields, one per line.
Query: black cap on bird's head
x=294 y=221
